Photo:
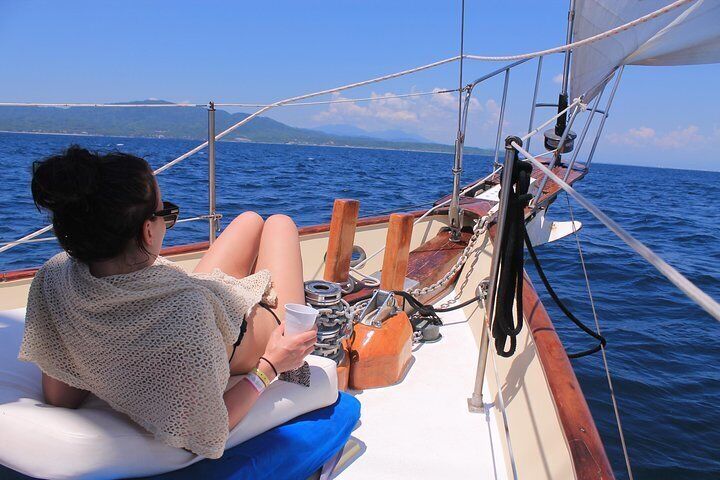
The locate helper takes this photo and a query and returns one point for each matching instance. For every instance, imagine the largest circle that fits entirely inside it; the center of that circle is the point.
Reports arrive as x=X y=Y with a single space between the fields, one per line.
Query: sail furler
x=690 y=35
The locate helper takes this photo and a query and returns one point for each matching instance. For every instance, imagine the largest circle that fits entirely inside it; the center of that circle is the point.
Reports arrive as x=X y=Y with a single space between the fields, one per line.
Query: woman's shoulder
x=56 y=261
x=55 y=264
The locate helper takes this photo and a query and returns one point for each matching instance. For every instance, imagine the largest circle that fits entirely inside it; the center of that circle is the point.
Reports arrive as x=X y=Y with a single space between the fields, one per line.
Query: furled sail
x=686 y=35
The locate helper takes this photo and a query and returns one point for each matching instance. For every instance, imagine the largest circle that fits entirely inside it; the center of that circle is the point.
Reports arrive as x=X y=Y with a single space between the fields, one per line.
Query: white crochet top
x=151 y=343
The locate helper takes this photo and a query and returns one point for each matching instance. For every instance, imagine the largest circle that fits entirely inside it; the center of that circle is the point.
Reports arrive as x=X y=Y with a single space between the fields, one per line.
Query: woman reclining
x=110 y=316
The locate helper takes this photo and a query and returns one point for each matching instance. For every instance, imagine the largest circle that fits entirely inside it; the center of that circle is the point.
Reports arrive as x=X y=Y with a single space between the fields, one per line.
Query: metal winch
x=333 y=321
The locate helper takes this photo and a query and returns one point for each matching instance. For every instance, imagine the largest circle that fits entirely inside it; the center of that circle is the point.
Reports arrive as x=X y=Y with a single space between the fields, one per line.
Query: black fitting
x=513 y=139
x=562 y=119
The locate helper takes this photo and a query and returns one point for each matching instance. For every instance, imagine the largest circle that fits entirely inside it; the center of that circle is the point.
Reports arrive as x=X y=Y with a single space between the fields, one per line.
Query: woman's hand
x=288 y=353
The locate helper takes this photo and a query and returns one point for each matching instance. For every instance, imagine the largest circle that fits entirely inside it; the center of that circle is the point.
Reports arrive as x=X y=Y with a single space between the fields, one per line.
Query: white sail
x=693 y=38
x=687 y=35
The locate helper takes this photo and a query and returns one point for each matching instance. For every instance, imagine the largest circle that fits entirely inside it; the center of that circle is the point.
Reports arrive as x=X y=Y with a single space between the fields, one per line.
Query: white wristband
x=256 y=382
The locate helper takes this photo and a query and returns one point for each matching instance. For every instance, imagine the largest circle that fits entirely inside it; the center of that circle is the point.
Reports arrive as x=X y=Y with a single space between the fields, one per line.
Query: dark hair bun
x=66 y=181
x=98 y=203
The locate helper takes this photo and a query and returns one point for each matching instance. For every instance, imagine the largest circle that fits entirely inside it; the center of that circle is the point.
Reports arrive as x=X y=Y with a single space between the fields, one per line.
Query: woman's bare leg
x=236 y=249
x=279 y=252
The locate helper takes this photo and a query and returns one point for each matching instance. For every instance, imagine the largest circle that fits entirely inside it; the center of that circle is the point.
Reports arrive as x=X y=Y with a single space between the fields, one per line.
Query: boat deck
x=421 y=427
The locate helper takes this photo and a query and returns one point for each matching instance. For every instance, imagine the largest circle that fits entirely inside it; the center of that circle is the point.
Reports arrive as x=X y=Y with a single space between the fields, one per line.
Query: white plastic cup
x=299 y=318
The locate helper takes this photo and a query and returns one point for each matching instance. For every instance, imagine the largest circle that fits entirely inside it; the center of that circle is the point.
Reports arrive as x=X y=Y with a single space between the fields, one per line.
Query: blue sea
x=663 y=351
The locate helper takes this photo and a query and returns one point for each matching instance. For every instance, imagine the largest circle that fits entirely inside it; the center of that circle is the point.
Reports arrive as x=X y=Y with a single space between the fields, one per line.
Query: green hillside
x=184 y=123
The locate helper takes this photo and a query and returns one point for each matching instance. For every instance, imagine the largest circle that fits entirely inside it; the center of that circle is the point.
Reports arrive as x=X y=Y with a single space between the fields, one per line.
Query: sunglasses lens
x=170 y=220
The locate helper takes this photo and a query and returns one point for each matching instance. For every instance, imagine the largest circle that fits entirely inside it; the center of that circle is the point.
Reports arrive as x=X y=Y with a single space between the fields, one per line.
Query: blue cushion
x=294 y=450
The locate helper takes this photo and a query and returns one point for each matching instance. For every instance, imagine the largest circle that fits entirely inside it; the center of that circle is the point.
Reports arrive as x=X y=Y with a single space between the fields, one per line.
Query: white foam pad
x=94 y=441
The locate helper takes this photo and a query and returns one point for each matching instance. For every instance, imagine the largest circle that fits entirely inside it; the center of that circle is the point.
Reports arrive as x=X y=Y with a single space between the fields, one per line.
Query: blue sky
x=263 y=51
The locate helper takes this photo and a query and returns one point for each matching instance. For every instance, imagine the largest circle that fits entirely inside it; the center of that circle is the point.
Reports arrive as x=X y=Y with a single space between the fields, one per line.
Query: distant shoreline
x=488 y=153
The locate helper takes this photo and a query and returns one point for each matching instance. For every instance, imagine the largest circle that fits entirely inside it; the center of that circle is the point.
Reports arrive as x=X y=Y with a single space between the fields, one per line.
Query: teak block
x=397 y=251
x=340 y=240
x=380 y=356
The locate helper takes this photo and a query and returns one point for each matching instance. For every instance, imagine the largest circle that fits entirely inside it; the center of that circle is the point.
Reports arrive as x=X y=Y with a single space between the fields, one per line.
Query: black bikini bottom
x=243 y=328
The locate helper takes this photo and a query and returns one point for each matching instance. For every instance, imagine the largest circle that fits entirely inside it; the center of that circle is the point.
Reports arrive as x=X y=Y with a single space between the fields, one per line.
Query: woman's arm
x=241 y=397
x=60 y=394
x=285 y=353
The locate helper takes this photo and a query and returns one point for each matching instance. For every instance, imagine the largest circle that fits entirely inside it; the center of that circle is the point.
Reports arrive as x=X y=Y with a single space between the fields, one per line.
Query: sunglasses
x=169 y=213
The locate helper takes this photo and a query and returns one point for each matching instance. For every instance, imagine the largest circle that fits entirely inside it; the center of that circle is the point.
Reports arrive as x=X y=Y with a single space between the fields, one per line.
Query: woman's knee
x=280 y=221
x=248 y=219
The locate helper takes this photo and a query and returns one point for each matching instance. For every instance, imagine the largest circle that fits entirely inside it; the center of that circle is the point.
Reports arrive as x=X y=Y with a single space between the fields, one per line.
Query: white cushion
x=94 y=441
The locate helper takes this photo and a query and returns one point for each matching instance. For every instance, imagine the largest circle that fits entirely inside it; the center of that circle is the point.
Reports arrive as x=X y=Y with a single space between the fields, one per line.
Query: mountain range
x=191 y=123
x=391 y=135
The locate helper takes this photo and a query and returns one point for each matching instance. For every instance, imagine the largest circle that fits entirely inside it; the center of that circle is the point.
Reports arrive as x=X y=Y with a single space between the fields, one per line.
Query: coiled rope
x=511 y=259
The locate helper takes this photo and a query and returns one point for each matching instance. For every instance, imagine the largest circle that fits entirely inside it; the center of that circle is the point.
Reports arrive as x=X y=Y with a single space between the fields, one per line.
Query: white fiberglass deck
x=421 y=427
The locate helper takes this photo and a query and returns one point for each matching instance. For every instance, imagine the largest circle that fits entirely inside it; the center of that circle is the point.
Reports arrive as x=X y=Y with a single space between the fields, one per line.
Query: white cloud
x=681 y=137
x=493 y=109
x=385 y=109
x=431 y=116
x=558 y=78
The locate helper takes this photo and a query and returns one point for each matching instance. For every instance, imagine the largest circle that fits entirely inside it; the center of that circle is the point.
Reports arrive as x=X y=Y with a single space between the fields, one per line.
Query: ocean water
x=663 y=351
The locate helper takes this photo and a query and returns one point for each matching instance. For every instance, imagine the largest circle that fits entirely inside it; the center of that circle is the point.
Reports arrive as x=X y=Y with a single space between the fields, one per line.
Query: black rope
x=561 y=306
x=509 y=289
x=426 y=311
x=510 y=282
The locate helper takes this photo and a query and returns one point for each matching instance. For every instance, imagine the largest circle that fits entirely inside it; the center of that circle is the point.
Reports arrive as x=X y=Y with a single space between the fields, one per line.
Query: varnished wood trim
x=340 y=240
x=588 y=452
x=187 y=248
x=397 y=252
x=17 y=274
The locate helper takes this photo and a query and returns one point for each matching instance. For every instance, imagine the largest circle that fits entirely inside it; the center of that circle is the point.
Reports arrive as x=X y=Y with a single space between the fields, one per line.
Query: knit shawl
x=151 y=343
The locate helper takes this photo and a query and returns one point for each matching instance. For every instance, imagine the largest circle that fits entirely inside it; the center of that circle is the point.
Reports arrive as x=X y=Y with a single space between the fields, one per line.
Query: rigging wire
x=695 y=295
x=501 y=402
x=26 y=238
x=548 y=286
x=31 y=239
x=344 y=100
x=676 y=278
x=219 y=104
x=562 y=48
x=432 y=209
x=279 y=103
x=462 y=53
x=102 y=105
x=586 y=41
x=602 y=346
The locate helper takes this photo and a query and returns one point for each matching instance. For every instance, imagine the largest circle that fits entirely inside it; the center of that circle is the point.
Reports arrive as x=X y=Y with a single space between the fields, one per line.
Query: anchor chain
x=479 y=228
